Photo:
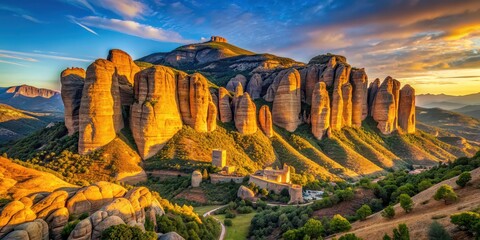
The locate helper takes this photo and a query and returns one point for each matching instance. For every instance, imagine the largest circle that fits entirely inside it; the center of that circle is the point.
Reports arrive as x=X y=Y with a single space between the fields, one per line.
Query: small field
x=203 y=209
x=239 y=229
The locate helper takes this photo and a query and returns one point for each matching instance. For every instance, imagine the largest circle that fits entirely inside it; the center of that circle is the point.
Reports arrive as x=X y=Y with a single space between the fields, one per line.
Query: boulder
x=359 y=81
x=287 y=103
x=224 y=107
x=15 y=213
x=141 y=199
x=50 y=204
x=122 y=208
x=254 y=87
x=57 y=221
x=91 y=198
x=155 y=115
x=196 y=178
x=17 y=235
x=36 y=230
x=265 y=120
x=406 y=110
x=170 y=236
x=126 y=70
x=104 y=224
x=372 y=93
x=245 y=193
x=347 y=105
x=233 y=82
x=383 y=111
x=72 y=80
x=82 y=231
x=320 y=110
x=100 y=108
x=246 y=115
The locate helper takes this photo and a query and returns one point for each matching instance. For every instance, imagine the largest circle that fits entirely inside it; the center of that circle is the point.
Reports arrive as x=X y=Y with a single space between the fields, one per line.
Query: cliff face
x=72 y=80
x=287 y=102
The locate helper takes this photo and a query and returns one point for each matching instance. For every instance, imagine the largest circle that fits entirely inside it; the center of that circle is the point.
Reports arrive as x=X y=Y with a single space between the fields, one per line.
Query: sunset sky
x=433 y=45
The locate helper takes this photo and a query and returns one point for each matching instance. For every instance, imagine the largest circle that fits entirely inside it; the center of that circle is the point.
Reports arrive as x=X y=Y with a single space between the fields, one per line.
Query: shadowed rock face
x=320 y=110
x=265 y=120
x=72 y=80
x=236 y=97
x=100 y=108
x=383 y=111
x=312 y=77
x=406 y=110
x=287 y=103
x=372 y=93
x=200 y=99
x=234 y=82
x=254 y=87
x=359 y=81
x=155 y=115
x=224 y=107
x=126 y=70
x=246 y=115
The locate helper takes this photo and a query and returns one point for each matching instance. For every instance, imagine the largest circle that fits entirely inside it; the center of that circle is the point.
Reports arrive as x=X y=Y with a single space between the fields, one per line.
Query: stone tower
x=218 y=39
x=219 y=158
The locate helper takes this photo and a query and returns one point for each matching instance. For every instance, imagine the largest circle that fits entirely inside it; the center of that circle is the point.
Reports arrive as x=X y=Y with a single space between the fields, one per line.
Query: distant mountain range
x=467 y=104
x=29 y=98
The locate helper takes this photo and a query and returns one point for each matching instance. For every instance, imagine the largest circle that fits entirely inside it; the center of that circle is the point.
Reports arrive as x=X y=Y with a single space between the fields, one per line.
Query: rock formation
x=211 y=116
x=359 y=81
x=234 y=82
x=196 y=178
x=246 y=115
x=245 y=193
x=320 y=110
x=287 y=102
x=347 y=90
x=328 y=74
x=254 y=87
x=126 y=70
x=312 y=77
x=183 y=94
x=236 y=97
x=15 y=213
x=224 y=107
x=272 y=89
x=396 y=97
x=100 y=107
x=406 y=110
x=218 y=39
x=92 y=198
x=72 y=80
x=265 y=120
x=342 y=72
x=155 y=115
x=372 y=93
x=383 y=110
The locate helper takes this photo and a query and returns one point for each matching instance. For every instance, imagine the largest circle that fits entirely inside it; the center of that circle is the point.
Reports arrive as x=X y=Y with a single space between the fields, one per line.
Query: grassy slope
x=240 y=226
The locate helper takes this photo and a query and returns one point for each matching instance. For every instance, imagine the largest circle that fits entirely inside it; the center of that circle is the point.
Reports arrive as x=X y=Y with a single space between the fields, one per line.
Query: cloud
x=72 y=19
x=133 y=28
x=84 y=4
x=28 y=59
x=31 y=56
x=13 y=63
x=19 y=12
x=127 y=9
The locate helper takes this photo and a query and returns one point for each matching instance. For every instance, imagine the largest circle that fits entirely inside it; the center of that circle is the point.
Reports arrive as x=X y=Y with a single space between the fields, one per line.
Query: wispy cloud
x=28 y=59
x=127 y=9
x=72 y=19
x=19 y=12
x=133 y=28
x=12 y=63
x=31 y=56
x=84 y=4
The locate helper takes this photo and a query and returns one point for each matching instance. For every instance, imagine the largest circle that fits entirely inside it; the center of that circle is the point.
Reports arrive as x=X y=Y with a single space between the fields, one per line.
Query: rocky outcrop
x=224 y=107
x=35 y=230
x=100 y=107
x=126 y=70
x=320 y=110
x=218 y=39
x=155 y=115
x=14 y=214
x=246 y=115
x=265 y=120
x=272 y=89
x=287 y=102
x=236 y=96
x=212 y=116
x=200 y=99
x=383 y=111
x=234 y=82
x=312 y=77
x=92 y=198
x=347 y=90
x=328 y=75
x=72 y=80
x=254 y=87
x=406 y=109
x=337 y=109
x=359 y=81
x=396 y=97
x=245 y=193
x=372 y=93
x=50 y=204
x=196 y=178
x=183 y=94
x=170 y=236
x=57 y=221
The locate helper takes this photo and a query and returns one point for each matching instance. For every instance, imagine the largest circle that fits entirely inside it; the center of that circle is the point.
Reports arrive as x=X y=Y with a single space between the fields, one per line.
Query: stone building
x=219 y=158
x=196 y=178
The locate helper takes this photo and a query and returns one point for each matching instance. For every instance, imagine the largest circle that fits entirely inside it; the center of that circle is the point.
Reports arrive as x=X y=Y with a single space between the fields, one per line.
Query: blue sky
x=431 y=44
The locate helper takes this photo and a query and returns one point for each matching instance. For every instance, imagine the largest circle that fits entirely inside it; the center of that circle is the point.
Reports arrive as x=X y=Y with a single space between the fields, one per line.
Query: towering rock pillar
x=200 y=99
x=265 y=119
x=155 y=115
x=359 y=81
x=396 y=96
x=72 y=80
x=342 y=72
x=383 y=110
x=183 y=84
x=126 y=70
x=347 y=90
x=100 y=108
x=246 y=115
x=320 y=110
x=224 y=107
x=312 y=77
x=372 y=93
x=406 y=110
x=287 y=103
x=254 y=87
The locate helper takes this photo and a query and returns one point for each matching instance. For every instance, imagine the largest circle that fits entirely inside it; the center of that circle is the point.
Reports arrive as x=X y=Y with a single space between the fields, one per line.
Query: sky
x=433 y=45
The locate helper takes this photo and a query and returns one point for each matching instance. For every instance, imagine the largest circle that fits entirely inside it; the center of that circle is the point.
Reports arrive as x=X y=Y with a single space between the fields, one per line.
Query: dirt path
x=222 y=234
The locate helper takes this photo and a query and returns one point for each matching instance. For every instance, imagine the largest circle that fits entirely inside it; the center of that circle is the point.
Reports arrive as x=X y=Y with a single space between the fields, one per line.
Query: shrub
x=313 y=228
x=406 y=202
x=401 y=233
x=424 y=184
x=349 y=236
x=438 y=232
x=463 y=179
x=388 y=212
x=339 y=224
x=446 y=193
x=363 y=212
x=230 y=214
x=290 y=235
x=68 y=229
x=465 y=220
x=228 y=222
x=244 y=209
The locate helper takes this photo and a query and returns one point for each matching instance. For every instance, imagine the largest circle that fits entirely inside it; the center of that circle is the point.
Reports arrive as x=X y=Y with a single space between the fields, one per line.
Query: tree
x=446 y=193
x=438 y=232
x=313 y=228
x=204 y=174
x=290 y=235
x=339 y=224
x=424 y=184
x=401 y=233
x=406 y=202
x=463 y=179
x=363 y=212
x=388 y=212
x=349 y=236
x=465 y=220
x=228 y=222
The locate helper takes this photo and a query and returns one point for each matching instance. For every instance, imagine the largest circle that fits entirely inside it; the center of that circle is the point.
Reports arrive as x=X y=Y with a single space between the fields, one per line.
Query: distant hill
x=16 y=123
x=470 y=110
x=32 y=99
x=447 y=102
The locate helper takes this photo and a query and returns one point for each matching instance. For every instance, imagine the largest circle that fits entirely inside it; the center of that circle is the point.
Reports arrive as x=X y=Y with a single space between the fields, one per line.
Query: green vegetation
x=463 y=179
x=406 y=202
x=125 y=232
x=467 y=221
x=239 y=228
x=363 y=212
x=388 y=212
x=68 y=229
x=438 y=232
x=399 y=233
x=349 y=236
x=339 y=224
x=445 y=193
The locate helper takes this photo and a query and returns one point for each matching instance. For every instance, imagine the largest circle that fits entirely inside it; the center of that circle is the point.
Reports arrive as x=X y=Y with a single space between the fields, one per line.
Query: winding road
x=222 y=234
